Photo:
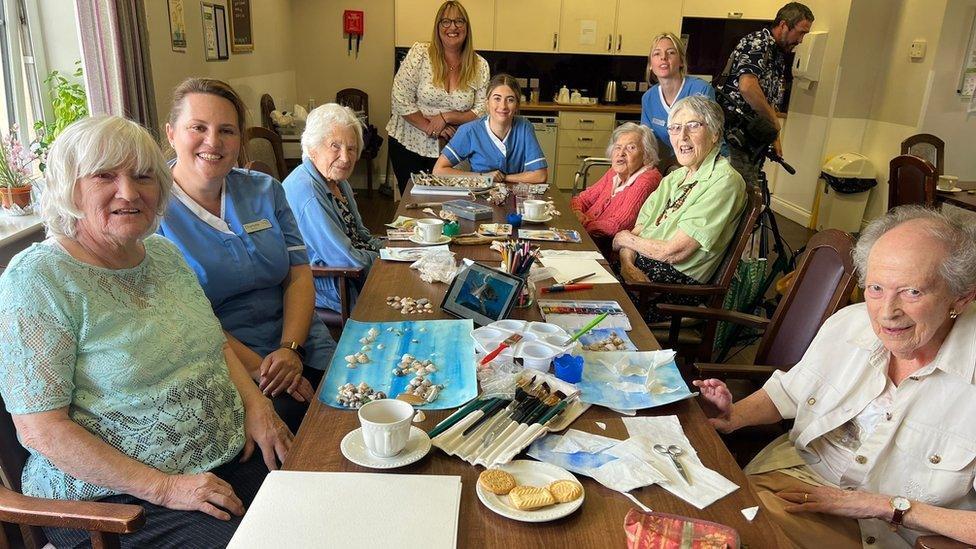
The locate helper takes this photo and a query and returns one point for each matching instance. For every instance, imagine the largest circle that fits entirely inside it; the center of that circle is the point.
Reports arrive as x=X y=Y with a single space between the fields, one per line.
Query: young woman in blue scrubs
x=238 y=234
x=500 y=144
x=667 y=62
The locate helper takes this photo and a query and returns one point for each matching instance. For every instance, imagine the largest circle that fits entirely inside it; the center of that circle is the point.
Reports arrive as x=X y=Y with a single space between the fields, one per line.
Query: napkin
x=626 y=474
x=707 y=486
x=579 y=441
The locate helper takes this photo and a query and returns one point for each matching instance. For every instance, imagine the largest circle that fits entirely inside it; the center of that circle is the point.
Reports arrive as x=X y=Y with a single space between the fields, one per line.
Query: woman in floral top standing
x=440 y=85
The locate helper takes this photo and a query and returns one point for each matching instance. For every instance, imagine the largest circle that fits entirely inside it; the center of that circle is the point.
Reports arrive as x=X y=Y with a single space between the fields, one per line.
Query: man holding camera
x=753 y=88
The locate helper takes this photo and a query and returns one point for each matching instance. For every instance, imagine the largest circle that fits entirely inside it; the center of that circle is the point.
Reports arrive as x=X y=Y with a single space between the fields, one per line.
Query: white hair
x=709 y=110
x=648 y=143
x=323 y=120
x=94 y=145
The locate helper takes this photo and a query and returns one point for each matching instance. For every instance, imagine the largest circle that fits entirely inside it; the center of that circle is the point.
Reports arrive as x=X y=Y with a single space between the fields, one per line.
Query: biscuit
x=565 y=490
x=496 y=481
x=527 y=498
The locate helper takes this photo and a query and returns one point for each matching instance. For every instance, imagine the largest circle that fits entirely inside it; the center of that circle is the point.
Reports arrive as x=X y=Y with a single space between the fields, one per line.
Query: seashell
x=432 y=393
x=380 y=346
x=430 y=368
x=362 y=358
x=364 y=340
x=373 y=333
x=419 y=416
x=365 y=348
x=350 y=358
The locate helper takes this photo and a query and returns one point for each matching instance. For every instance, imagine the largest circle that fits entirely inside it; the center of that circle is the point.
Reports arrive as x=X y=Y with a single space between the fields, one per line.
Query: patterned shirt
x=135 y=355
x=756 y=54
x=414 y=91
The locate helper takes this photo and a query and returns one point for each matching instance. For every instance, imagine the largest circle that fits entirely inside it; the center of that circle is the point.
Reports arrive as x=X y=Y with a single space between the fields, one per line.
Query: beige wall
x=270 y=68
x=323 y=66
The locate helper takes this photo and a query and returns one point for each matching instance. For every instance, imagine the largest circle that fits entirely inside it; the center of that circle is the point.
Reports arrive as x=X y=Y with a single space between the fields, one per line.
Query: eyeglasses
x=446 y=23
x=630 y=148
x=693 y=126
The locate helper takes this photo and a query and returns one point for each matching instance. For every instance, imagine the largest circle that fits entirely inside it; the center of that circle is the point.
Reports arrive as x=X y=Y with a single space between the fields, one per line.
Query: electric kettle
x=610 y=92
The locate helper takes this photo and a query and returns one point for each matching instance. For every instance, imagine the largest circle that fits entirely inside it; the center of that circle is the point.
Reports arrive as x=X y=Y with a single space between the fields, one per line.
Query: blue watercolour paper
x=447 y=343
x=578 y=462
x=631 y=380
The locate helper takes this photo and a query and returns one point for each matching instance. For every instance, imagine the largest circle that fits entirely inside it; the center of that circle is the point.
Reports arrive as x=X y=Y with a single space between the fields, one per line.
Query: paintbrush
x=418 y=205
x=509 y=341
x=457 y=416
x=586 y=328
x=520 y=396
x=489 y=411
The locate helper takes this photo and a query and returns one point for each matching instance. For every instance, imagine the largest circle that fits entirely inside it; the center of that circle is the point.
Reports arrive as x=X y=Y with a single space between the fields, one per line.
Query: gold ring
x=806 y=497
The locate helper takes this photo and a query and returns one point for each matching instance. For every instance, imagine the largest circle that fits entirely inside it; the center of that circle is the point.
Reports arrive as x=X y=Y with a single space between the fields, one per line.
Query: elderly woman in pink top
x=612 y=203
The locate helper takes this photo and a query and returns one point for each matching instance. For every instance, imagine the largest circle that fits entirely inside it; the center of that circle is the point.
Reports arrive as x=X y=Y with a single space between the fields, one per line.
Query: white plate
x=531 y=473
x=543 y=220
x=952 y=190
x=444 y=239
x=355 y=450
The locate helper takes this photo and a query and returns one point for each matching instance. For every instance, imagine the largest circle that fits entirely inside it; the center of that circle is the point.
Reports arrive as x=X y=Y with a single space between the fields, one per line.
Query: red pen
x=566 y=288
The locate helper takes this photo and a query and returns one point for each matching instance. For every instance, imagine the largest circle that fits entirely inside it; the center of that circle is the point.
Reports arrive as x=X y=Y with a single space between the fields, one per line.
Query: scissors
x=673 y=452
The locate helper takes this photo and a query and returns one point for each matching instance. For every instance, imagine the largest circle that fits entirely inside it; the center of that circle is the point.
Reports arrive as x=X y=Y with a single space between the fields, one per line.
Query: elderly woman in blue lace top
x=115 y=370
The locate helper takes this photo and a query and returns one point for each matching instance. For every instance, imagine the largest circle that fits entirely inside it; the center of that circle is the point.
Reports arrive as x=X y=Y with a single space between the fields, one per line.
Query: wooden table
x=961 y=199
x=599 y=522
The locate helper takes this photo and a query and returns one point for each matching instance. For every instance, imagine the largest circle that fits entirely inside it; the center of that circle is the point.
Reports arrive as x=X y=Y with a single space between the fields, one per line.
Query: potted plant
x=69 y=103
x=16 y=174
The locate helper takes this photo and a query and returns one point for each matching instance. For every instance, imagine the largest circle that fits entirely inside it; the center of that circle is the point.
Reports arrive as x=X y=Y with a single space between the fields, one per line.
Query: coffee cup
x=534 y=209
x=428 y=230
x=385 y=426
x=947 y=182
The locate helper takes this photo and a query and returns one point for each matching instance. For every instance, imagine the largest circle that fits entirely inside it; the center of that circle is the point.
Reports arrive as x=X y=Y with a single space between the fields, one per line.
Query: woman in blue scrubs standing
x=500 y=144
x=238 y=234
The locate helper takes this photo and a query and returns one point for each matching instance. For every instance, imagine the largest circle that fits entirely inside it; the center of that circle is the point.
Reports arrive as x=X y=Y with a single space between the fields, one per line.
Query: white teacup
x=947 y=182
x=428 y=230
x=534 y=209
x=385 y=426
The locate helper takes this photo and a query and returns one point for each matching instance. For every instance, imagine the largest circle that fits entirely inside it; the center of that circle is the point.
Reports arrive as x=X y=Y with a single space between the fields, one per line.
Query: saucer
x=355 y=450
x=444 y=239
x=952 y=190
x=542 y=220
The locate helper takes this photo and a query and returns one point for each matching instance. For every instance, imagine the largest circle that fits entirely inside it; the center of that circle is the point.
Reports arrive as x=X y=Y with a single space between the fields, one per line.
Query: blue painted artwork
x=597 y=335
x=577 y=462
x=631 y=380
x=447 y=343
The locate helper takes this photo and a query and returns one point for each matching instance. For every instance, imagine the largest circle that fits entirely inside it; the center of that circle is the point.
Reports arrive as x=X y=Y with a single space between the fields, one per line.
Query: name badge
x=257 y=226
x=658 y=122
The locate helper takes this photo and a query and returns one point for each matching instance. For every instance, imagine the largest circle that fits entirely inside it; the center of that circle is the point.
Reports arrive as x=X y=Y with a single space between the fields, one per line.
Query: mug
x=428 y=230
x=947 y=182
x=535 y=209
x=385 y=426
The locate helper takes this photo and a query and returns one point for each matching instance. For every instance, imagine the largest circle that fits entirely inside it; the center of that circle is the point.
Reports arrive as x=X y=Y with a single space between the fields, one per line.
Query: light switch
x=629 y=85
x=918 y=49
x=522 y=82
x=642 y=86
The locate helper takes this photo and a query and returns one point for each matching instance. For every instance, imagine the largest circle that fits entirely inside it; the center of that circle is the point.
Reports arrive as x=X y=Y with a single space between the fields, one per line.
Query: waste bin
x=845 y=181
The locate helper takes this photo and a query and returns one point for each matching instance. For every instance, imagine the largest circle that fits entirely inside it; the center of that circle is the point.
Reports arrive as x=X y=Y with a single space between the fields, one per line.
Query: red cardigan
x=607 y=216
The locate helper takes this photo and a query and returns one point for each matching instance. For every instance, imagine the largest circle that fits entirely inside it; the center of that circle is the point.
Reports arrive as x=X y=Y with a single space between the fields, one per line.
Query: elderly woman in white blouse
x=440 y=85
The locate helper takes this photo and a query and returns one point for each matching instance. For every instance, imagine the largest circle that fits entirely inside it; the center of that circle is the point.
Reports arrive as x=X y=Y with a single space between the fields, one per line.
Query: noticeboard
x=240 y=16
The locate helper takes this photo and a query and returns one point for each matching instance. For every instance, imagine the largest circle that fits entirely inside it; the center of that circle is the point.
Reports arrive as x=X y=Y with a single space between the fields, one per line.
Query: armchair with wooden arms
x=911 y=180
x=264 y=145
x=336 y=320
x=22 y=516
x=714 y=292
x=928 y=147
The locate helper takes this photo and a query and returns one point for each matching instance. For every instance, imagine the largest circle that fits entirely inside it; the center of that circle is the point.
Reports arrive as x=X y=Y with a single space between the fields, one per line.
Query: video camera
x=751 y=133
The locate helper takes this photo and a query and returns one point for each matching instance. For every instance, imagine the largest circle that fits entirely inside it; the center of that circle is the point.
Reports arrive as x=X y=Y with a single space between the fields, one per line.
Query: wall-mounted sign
x=177 y=26
x=240 y=18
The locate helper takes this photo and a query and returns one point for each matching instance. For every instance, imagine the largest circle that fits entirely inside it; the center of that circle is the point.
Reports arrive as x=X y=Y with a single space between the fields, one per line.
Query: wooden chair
x=267 y=105
x=911 y=180
x=714 y=292
x=258 y=166
x=928 y=147
x=22 y=516
x=358 y=100
x=823 y=283
x=264 y=145
x=335 y=320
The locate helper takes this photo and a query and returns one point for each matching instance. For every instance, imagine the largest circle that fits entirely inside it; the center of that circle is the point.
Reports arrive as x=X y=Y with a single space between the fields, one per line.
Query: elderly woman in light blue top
x=323 y=202
x=115 y=371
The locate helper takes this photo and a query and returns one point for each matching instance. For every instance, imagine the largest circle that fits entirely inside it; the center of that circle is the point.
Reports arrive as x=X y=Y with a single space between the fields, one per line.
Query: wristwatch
x=901 y=505
x=294 y=346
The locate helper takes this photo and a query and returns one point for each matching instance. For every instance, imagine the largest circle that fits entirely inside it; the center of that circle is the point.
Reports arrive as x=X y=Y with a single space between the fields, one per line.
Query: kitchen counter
x=548 y=106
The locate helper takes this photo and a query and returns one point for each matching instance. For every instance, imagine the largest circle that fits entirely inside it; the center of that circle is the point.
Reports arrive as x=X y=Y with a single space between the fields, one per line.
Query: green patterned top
x=134 y=354
x=707 y=208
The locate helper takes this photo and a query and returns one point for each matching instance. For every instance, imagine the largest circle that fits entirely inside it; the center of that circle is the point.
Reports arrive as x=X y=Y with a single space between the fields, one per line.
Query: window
x=22 y=100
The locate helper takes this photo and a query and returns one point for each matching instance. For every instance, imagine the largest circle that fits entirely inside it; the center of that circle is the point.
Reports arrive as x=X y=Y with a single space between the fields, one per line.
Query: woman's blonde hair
x=679 y=45
x=469 y=61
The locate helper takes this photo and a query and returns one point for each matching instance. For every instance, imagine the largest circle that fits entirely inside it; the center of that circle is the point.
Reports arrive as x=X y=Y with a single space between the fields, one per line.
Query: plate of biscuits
x=530 y=491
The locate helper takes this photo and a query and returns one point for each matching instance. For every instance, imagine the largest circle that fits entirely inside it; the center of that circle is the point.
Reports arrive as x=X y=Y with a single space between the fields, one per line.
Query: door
x=530 y=26
x=639 y=20
x=587 y=26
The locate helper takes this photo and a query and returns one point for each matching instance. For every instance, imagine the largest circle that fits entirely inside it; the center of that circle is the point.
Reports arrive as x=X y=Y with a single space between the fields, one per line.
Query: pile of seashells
x=421 y=388
x=613 y=342
x=354 y=360
x=355 y=396
x=409 y=305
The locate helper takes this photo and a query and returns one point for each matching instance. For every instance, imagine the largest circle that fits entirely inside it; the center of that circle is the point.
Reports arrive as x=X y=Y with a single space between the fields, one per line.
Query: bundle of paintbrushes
x=492 y=431
x=517 y=259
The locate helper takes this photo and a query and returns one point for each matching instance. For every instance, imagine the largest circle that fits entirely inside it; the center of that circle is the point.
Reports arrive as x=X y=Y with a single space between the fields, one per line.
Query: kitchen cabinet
x=639 y=20
x=414 y=21
x=587 y=26
x=530 y=26
x=581 y=134
x=750 y=9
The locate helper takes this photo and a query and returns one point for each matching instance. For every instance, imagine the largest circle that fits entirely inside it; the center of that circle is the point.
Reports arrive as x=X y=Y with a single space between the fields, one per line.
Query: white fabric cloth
x=414 y=90
x=926 y=451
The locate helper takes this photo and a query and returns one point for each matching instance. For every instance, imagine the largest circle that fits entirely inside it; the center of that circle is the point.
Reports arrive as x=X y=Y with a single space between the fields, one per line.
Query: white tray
x=541 y=342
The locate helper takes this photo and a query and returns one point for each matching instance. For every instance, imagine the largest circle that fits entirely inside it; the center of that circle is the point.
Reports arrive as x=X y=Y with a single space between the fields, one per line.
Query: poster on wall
x=177 y=26
x=220 y=21
x=209 y=32
x=240 y=27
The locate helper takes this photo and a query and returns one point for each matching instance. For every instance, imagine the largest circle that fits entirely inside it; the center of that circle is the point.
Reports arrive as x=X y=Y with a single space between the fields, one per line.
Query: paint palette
x=540 y=343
